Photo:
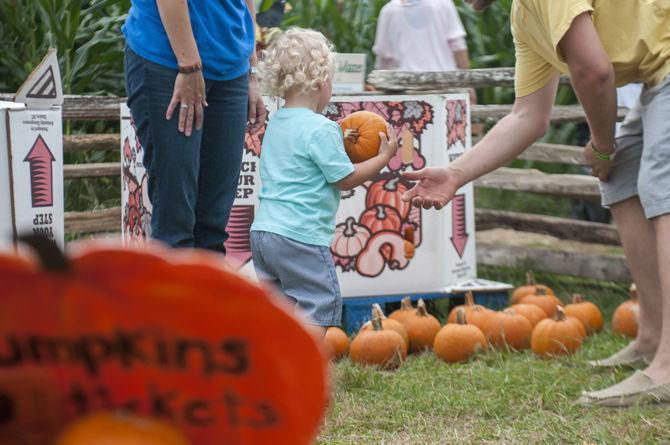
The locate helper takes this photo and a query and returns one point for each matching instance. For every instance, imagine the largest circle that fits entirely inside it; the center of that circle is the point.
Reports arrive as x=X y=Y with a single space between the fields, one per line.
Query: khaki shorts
x=642 y=163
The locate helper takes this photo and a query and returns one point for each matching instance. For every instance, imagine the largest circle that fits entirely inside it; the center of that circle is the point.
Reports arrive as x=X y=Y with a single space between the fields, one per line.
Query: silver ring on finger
x=183 y=106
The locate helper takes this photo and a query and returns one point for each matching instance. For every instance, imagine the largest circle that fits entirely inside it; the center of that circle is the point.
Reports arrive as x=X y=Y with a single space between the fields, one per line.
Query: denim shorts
x=305 y=273
x=642 y=162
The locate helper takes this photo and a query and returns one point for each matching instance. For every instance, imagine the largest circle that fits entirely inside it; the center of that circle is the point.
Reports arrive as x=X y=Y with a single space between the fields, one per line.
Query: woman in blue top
x=190 y=79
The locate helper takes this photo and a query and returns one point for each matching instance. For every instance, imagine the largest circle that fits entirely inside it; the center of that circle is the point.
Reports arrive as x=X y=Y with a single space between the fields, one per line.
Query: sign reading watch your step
x=31 y=156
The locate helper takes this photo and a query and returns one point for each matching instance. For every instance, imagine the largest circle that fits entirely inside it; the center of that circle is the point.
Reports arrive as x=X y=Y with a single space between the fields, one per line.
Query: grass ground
x=500 y=397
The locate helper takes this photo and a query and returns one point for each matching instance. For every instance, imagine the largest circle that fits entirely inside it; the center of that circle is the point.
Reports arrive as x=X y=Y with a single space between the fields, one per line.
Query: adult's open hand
x=437 y=186
x=189 y=96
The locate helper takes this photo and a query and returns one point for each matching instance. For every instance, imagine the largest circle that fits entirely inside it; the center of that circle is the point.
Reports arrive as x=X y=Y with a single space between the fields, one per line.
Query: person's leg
x=659 y=369
x=170 y=158
x=220 y=159
x=638 y=238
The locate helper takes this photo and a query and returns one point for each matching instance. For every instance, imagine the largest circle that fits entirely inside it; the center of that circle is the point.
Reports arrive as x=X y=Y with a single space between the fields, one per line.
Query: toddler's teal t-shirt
x=301 y=157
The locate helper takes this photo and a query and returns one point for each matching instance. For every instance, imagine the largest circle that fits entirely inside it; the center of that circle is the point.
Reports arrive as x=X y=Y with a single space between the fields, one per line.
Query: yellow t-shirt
x=635 y=34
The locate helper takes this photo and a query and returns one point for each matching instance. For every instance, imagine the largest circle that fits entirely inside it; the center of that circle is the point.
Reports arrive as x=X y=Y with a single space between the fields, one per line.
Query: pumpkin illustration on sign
x=165 y=333
x=361 y=135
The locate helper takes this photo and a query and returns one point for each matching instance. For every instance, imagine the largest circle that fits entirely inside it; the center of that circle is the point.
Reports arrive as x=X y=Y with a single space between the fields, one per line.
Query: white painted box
x=369 y=244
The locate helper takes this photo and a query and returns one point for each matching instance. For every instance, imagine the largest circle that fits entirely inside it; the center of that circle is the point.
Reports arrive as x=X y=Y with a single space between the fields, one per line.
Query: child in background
x=303 y=167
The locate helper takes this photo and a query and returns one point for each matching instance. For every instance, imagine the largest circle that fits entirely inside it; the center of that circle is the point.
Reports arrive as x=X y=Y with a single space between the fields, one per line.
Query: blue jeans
x=192 y=180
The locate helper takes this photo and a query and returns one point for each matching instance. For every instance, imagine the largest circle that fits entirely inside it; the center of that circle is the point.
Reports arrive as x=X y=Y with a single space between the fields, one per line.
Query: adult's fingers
x=252 y=109
x=190 y=115
x=199 y=115
x=171 y=107
x=183 y=112
x=409 y=194
x=414 y=175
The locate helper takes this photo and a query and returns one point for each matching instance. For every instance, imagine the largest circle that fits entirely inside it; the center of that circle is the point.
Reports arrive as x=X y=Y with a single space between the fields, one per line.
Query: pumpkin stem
x=349 y=227
x=540 y=291
x=377 y=311
x=560 y=313
x=351 y=135
x=577 y=298
x=460 y=316
x=377 y=323
x=392 y=184
x=421 y=308
x=633 y=291
x=406 y=304
x=51 y=256
x=469 y=299
x=381 y=213
x=530 y=278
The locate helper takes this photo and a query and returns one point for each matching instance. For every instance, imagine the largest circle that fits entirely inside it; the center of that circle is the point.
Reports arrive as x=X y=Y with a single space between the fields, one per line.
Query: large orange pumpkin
x=421 y=328
x=533 y=313
x=587 y=312
x=475 y=314
x=387 y=323
x=509 y=329
x=361 y=135
x=529 y=288
x=544 y=300
x=559 y=335
x=120 y=429
x=457 y=342
x=336 y=342
x=168 y=333
x=625 y=317
x=378 y=346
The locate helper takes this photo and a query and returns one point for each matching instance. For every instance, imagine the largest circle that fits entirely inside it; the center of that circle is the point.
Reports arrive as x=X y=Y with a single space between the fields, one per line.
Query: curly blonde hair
x=299 y=60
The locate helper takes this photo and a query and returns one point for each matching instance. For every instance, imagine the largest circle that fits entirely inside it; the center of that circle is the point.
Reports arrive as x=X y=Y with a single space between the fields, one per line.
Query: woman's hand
x=189 y=96
x=437 y=186
x=257 y=110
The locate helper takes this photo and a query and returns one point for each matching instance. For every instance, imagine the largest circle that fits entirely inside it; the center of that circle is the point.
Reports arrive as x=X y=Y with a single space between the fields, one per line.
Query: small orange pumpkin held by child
x=457 y=342
x=336 y=342
x=625 y=317
x=421 y=328
x=406 y=310
x=509 y=329
x=533 y=313
x=361 y=135
x=476 y=314
x=380 y=347
x=587 y=312
x=387 y=323
x=116 y=428
x=529 y=288
x=560 y=335
x=544 y=300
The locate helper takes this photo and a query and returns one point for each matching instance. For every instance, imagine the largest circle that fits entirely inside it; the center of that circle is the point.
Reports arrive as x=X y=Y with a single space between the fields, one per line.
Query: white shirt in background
x=419 y=35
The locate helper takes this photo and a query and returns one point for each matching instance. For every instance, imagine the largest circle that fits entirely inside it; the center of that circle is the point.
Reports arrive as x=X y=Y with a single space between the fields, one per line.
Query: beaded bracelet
x=600 y=155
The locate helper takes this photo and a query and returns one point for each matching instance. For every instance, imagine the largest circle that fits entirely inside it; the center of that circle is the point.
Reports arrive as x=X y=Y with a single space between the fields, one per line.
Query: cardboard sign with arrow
x=31 y=156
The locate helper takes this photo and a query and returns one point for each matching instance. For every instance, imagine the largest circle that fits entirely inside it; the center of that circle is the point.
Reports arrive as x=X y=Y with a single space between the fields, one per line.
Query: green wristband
x=600 y=155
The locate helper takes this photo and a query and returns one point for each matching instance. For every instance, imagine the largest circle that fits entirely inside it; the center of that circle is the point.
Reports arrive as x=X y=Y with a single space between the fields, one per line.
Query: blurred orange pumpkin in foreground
x=171 y=334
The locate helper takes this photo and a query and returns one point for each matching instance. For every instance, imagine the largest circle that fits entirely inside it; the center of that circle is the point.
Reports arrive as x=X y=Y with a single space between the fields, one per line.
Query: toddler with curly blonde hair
x=303 y=167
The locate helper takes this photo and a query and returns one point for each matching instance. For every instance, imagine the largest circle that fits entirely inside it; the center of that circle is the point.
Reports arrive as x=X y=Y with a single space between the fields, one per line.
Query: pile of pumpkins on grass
x=536 y=319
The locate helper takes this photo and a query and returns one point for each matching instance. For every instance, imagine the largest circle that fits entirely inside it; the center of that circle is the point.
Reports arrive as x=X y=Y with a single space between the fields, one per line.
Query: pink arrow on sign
x=459 y=237
x=41 y=174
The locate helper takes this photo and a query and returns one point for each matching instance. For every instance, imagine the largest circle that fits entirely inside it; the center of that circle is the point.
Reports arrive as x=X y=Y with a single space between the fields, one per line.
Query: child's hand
x=387 y=148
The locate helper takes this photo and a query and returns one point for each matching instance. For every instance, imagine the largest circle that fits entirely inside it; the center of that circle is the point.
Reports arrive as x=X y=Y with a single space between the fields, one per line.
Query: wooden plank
x=92 y=170
x=95 y=142
x=563 y=228
x=569 y=258
x=559 y=114
x=553 y=153
x=535 y=181
x=94 y=221
x=394 y=81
